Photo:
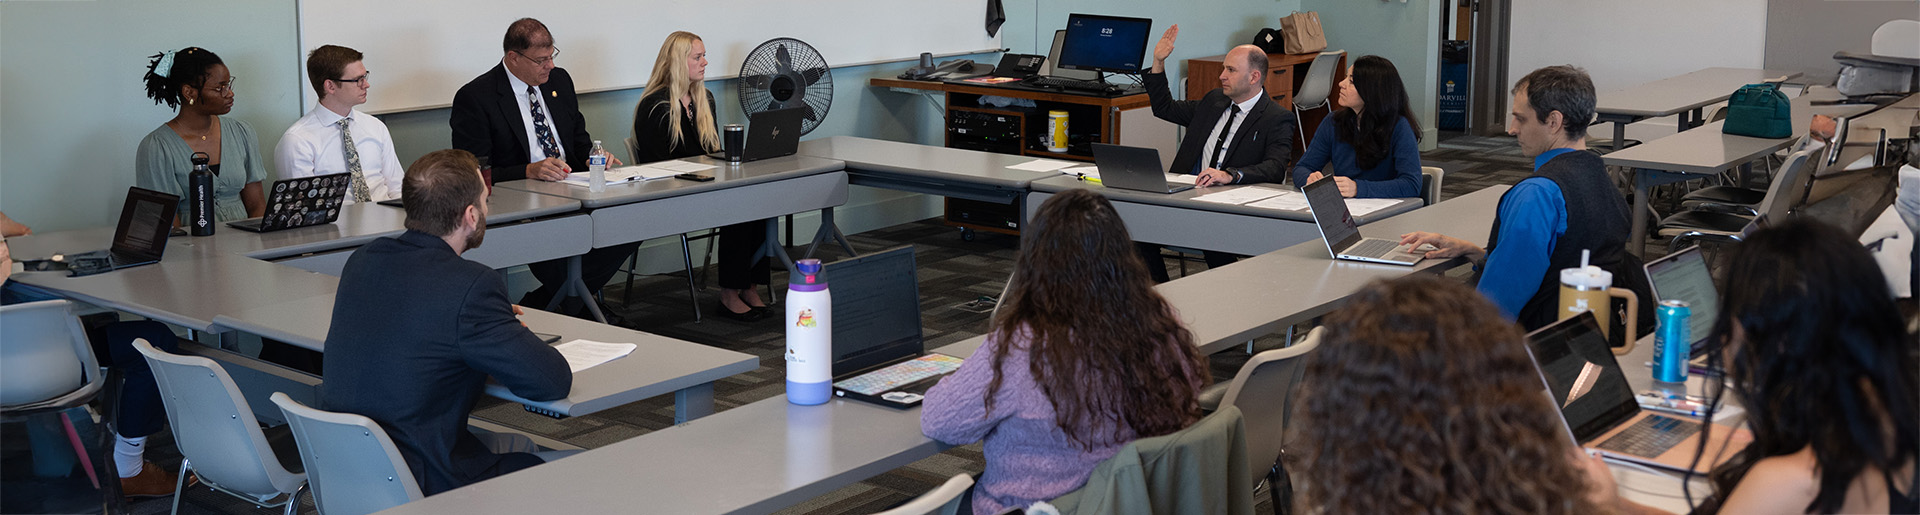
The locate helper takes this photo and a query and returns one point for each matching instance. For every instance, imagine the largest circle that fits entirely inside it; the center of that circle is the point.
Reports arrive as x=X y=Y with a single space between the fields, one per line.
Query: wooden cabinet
x=1286 y=73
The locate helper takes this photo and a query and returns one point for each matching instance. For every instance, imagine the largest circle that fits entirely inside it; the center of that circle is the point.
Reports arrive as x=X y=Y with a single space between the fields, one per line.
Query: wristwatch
x=1237 y=176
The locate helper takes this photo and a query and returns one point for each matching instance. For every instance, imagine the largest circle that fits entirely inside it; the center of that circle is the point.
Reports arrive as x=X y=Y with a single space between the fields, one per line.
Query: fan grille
x=787 y=73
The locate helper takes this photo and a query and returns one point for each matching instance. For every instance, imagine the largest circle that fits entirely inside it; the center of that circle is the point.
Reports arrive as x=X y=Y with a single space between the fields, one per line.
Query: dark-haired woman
x=1421 y=399
x=1816 y=352
x=195 y=81
x=1080 y=360
x=1371 y=147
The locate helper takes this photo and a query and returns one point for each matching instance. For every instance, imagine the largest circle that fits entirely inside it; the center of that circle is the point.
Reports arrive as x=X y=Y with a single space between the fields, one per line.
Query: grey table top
x=363 y=222
x=1184 y=199
x=1706 y=150
x=924 y=162
x=725 y=176
x=183 y=292
x=660 y=365
x=1673 y=95
x=772 y=454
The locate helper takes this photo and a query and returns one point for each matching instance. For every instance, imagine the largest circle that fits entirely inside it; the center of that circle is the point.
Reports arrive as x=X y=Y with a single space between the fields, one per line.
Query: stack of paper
x=1241 y=195
x=1090 y=172
x=645 y=172
x=1362 y=206
x=1041 y=165
x=1287 y=200
x=585 y=354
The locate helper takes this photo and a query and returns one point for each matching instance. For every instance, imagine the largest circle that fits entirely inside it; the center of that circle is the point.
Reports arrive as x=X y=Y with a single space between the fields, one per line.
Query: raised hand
x=1165 y=47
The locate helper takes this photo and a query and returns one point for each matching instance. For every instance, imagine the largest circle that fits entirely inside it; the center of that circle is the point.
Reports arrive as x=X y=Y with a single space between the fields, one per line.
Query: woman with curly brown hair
x=1421 y=399
x=1083 y=357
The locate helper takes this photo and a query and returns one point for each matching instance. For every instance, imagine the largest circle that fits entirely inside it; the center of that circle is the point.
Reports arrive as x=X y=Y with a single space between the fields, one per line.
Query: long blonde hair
x=670 y=75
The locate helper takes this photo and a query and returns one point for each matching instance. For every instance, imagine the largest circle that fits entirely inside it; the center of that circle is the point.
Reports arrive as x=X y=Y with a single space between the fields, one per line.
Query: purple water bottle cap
x=809 y=266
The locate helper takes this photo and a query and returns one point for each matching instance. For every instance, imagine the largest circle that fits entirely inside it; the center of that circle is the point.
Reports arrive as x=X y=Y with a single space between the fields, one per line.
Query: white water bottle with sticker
x=809 y=335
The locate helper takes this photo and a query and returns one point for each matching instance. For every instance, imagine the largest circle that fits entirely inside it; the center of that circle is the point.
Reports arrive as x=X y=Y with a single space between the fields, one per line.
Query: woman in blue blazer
x=1370 y=147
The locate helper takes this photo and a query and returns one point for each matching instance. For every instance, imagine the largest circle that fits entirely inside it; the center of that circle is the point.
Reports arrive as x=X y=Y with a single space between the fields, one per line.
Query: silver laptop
x=1598 y=408
x=1342 y=235
x=1683 y=276
x=1133 y=168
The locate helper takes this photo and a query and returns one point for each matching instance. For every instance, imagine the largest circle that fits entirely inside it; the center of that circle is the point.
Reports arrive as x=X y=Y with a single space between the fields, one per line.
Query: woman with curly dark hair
x=1421 y=399
x=1816 y=352
x=1083 y=357
x=197 y=83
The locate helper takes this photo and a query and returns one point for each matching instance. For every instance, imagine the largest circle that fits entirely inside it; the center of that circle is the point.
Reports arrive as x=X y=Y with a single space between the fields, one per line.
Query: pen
x=1676 y=411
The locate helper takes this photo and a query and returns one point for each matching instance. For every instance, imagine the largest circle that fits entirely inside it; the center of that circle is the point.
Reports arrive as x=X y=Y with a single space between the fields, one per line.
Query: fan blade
x=809 y=112
x=785 y=61
x=812 y=75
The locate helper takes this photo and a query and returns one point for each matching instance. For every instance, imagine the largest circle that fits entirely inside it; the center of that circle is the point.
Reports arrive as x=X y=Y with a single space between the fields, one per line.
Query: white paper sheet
x=1091 y=172
x=1241 y=195
x=1286 y=200
x=681 y=166
x=1362 y=206
x=1182 y=178
x=646 y=172
x=585 y=354
x=1042 y=165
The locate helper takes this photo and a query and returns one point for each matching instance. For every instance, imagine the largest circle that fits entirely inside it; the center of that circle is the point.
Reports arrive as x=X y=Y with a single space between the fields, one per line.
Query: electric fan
x=783 y=73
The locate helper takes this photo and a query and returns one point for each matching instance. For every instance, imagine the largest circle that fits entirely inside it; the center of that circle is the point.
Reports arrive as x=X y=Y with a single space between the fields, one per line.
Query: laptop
x=770 y=134
x=1134 y=168
x=300 y=202
x=1342 y=235
x=140 y=238
x=1598 y=409
x=878 y=353
x=1683 y=276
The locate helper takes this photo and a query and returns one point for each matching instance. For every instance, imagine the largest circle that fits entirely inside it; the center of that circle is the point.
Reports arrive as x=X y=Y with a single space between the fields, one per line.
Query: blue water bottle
x=1672 y=341
x=809 y=335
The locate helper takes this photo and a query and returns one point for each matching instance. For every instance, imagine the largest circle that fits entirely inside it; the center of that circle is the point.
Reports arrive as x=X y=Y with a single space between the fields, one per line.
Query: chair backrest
x=936 y=500
x=1263 y=391
x=362 y=472
x=1319 y=82
x=1195 y=470
x=1430 y=183
x=45 y=360
x=1897 y=38
x=214 y=427
x=633 y=149
x=1789 y=188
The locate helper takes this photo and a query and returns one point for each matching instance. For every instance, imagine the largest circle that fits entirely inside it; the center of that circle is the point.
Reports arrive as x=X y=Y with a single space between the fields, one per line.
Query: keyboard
x=1373 y=248
x=903 y=373
x=1064 y=83
x=1651 y=436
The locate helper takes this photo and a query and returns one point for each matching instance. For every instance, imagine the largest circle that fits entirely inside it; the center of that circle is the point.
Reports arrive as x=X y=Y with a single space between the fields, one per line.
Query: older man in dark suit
x=1235 y=134
x=523 y=118
x=417 y=330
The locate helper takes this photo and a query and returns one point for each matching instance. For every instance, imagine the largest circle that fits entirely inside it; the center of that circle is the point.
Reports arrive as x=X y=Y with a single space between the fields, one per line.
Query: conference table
x=1178 y=219
x=1685 y=95
x=773 y=454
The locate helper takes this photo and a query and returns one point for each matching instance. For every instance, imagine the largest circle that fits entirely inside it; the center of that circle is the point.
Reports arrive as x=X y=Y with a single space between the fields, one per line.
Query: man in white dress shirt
x=316 y=144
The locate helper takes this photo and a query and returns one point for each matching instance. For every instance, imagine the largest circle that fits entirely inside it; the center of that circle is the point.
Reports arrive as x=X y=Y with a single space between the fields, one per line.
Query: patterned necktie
x=540 y=124
x=353 y=161
x=1220 y=144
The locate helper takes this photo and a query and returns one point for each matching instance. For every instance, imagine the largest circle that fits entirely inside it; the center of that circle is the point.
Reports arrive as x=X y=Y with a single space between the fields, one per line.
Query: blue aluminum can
x=1672 y=341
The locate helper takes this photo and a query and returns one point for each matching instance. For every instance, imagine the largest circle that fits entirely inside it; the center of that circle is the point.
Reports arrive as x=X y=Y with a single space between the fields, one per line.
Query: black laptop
x=770 y=134
x=878 y=353
x=141 y=237
x=1133 y=168
x=300 y=202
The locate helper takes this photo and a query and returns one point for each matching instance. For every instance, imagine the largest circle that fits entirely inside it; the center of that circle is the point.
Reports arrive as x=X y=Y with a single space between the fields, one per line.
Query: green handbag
x=1759 y=110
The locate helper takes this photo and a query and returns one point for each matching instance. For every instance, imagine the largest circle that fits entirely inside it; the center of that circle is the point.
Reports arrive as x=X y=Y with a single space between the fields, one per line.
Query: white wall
x=1623 y=43
x=1406 y=33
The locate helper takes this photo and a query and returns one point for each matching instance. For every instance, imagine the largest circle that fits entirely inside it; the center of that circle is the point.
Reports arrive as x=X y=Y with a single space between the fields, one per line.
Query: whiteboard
x=420 y=52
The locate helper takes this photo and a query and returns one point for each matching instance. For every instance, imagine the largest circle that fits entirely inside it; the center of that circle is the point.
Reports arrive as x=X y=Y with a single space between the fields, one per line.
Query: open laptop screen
x=1330 y=212
x=1581 y=373
x=1684 y=276
x=144 y=222
x=876 y=309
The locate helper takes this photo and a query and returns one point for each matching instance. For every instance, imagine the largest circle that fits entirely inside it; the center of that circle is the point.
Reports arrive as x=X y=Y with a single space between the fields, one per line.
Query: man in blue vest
x=1568 y=205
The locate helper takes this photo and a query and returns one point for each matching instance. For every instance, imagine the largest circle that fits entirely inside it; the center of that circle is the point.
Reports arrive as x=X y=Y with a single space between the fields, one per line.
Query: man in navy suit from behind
x=417 y=330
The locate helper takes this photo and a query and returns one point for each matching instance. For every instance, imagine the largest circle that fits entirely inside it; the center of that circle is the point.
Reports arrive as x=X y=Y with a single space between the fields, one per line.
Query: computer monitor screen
x=876 y=309
x=1105 y=43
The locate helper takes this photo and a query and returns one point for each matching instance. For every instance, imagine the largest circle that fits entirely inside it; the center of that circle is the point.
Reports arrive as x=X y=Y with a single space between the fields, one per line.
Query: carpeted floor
x=951 y=272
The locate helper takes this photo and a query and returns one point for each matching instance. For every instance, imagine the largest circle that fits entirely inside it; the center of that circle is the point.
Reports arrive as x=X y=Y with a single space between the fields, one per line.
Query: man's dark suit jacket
x=416 y=332
x=486 y=121
x=1260 y=150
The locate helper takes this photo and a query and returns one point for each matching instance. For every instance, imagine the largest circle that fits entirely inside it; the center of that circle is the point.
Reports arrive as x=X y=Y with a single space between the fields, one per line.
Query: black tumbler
x=200 y=197
x=734 y=141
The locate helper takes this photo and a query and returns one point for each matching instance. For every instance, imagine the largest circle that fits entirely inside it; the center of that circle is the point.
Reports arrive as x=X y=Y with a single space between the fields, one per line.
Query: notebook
x=1683 y=276
x=1342 y=235
x=300 y=202
x=139 y=239
x=1134 y=168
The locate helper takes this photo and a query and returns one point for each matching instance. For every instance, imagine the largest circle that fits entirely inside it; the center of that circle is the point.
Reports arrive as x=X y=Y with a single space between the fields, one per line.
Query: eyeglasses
x=362 y=80
x=223 y=88
x=541 y=60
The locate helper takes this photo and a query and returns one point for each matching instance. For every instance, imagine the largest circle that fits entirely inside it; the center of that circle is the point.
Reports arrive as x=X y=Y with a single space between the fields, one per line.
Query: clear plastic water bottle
x=597 y=168
x=809 y=335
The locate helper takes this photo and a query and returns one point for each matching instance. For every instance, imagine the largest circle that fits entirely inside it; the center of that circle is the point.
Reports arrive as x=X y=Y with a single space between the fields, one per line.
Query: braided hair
x=167 y=71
